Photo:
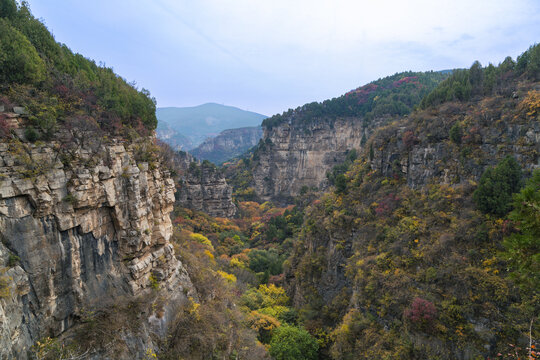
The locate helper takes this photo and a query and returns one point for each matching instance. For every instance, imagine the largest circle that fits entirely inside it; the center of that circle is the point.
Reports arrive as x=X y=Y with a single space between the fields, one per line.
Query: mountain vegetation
x=61 y=88
x=425 y=243
x=393 y=95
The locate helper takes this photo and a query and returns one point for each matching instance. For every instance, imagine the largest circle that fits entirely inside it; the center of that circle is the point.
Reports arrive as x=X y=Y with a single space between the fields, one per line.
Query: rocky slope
x=228 y=144
x=404 y=235
x=81 y=227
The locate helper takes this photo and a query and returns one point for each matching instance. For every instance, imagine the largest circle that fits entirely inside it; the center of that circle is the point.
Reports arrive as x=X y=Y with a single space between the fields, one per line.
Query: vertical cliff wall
x=296 y=154
x=78 y=229
x=203 y=188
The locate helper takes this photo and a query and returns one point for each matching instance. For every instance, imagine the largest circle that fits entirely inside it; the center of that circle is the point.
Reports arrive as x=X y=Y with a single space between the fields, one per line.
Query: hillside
x=228 y=144
x=397 y=221
x=200 y=122
x=408 y=257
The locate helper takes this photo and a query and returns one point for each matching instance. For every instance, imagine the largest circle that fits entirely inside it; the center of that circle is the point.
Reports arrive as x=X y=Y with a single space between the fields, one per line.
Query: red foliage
x=422 y=312
x=387 y=205
x=406 y=80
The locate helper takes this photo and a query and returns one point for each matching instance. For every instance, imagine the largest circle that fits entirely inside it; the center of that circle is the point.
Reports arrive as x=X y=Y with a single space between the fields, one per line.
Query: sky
x=269 y=56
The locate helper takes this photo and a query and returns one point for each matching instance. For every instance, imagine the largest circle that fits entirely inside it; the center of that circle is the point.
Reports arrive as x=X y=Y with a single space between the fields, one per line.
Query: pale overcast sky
x=268 y=56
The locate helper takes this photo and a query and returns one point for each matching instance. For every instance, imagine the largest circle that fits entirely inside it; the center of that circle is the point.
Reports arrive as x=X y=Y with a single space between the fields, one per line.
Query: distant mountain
x=228 y=144
x=172 y=137
x=201 y=122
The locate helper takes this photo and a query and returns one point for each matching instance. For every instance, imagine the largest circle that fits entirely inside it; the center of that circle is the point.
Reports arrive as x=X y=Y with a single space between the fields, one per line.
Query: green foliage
x=29 y=55
x=265 y=261
x=523 y=247
x=293 y=343
x=529 y=62
x=13 y=260
x=8 y=8
x=496 y=186
x=31 y=134
x=456 y=87
x=19 y=60
x=455 y=133
x=342 y=168
x=393 y=95
x=463 y=84
x=341 y=183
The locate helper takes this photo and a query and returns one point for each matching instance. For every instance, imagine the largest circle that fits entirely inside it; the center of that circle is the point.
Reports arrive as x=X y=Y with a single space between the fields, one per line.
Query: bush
x=293 y=343
x=494 y=192
x=31 y=134
x=421 y=314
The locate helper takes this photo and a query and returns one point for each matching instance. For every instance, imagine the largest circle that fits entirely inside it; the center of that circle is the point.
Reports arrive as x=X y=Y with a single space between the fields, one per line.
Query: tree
x=293 y=343
x=494 y=192
x=476 y=77
x=19 y=60
x=455 y=133
x=8 y=8
x=523 y=247
x=341 y=184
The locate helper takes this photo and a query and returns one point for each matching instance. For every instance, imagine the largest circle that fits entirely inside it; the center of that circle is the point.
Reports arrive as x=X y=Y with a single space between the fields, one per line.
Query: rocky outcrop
x=77 y=232
x=228 y=144
x=297 y=154
x=420 y=151
x=203 y=187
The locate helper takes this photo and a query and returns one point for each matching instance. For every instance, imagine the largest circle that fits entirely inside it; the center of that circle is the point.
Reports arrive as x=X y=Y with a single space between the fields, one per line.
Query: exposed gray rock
x=204 y=188
x=85 y=233
x=296 y=154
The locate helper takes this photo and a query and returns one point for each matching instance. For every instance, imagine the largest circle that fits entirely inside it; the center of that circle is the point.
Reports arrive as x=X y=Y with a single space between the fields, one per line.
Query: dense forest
x=393 y=95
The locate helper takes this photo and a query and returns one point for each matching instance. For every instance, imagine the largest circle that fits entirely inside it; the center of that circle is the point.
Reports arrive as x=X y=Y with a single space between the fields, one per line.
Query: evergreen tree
x=494 y=192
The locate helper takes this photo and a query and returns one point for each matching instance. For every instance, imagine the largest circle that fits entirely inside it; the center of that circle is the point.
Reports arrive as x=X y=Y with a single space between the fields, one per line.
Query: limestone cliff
x=296 y=154
x=203 y=187
x=78 y=229
x=300 y=146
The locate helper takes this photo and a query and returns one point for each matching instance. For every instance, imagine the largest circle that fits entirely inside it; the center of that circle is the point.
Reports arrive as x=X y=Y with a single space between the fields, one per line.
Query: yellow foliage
x=237 y=263
x=531 y=104
x=209 y=254
x=229 y=277
x=202 y=240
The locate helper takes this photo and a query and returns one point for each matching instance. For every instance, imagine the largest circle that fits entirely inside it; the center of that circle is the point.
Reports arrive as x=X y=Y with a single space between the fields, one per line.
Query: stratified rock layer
x=76 y=234
x=296 y=154
x=204 y=188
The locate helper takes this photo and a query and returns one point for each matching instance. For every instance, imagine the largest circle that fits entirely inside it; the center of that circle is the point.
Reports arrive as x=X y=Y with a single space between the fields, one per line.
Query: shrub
x=523 y=247
x=201 y=239
x=421 y=313
x=293 y=343
x=31 y=134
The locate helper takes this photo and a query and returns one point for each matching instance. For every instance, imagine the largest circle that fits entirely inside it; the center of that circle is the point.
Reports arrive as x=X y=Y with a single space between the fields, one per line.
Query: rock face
x=228 y=144
x=204 y=188
x=296 y=154
x=430 y=157
x=77 y=233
